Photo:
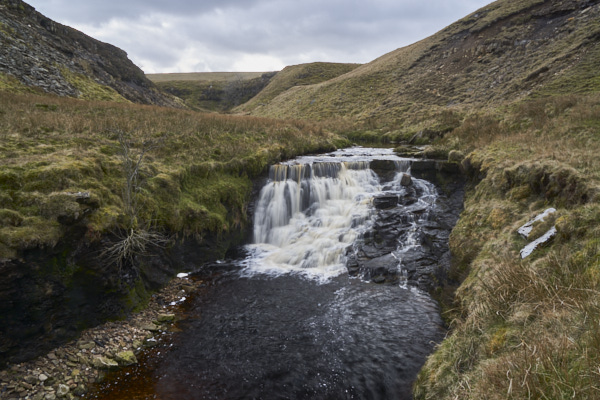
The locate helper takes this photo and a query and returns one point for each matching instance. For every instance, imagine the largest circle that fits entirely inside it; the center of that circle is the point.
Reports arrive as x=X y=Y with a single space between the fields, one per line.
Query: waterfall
x=308 y=214
x=312 y=209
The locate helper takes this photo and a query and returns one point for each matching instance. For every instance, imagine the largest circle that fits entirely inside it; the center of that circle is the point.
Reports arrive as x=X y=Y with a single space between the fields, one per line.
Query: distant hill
x=37 y=53
x=297 y=75
x=507 y=50
x=203 y=76
x=213 y=91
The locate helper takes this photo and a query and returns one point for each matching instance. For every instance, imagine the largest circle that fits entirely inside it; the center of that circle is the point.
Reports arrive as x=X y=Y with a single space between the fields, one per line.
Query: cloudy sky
x=254 y=35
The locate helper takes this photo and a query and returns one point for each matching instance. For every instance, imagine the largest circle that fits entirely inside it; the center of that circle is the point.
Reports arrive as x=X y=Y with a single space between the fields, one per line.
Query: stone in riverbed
x=162 y=318
x=104 y=363
x=406 y=180
x=62 y=390
x=126 y=358
x=149 y=327
x=385 y=201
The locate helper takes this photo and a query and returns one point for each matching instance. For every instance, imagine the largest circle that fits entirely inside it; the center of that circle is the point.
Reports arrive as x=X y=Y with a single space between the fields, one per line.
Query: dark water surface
x=290 y=338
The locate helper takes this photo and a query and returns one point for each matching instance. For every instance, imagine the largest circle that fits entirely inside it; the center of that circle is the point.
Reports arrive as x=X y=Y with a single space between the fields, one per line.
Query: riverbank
x=68 y=371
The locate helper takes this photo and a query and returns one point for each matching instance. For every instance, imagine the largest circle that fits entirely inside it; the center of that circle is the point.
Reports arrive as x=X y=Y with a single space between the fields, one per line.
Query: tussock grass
x=524 y=328
x=197 y=180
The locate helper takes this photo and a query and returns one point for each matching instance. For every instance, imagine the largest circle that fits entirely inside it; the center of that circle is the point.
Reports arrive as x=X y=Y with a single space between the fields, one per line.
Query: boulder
x=406 y=180
x=163 y=318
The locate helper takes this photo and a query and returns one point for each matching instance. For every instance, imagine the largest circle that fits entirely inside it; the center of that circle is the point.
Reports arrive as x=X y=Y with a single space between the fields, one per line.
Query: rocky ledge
x=67 y=371
x=408 y=241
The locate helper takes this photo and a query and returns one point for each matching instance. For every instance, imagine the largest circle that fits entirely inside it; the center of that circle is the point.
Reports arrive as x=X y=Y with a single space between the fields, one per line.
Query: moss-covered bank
x=64 y=200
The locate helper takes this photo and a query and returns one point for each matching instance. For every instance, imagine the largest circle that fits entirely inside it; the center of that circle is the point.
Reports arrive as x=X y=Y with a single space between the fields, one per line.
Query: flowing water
x=285 y=320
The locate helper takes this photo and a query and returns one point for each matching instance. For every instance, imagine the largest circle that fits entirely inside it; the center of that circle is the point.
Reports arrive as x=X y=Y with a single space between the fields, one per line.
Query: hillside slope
x=37 y=52
x=293 y=76
x=213 y=91
x=507 y=50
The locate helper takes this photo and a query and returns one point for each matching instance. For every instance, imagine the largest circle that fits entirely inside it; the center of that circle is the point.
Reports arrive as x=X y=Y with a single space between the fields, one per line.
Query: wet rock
x=102 y=362
x=125 y=358
x=80 y=390
x=410 y=240
x=149 y=326
x=385 y=201
x=163 y=318
x=406 y=180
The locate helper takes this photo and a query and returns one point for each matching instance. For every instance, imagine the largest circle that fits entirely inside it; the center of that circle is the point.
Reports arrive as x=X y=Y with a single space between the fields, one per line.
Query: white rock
x=182 y=275
x=526 y=229
x=545 y=238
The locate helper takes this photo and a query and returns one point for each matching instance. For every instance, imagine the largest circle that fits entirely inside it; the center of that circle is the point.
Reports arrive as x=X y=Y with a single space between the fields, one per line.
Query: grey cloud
x=216 y=34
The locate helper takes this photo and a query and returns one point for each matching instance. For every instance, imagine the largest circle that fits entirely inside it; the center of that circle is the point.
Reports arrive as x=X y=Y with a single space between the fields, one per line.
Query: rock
x=126 y=358
x=406 y=180
x=162 y=318
x=42 y=377
x=526 y=229
x=102 y=362
x=385 y=201
x=86 y=345
x=541 y=241
x=151 y=327
x=150 y=342
x=80 y=390
x=62 y=390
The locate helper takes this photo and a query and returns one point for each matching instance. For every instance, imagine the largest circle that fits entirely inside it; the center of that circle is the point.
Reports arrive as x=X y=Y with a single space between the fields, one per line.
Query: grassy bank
x=524 y=328
x=195 y=180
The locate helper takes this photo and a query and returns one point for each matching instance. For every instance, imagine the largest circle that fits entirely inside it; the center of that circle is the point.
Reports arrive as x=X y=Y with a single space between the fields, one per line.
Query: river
x=286 y=319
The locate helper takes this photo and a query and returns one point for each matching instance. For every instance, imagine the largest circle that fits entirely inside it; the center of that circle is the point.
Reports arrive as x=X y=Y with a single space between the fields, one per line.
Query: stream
x=328 y=302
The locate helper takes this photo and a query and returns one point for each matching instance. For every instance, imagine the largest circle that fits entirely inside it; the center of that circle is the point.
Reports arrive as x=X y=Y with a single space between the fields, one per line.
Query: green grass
x=214 y=91
x=524 y=328
x=196 y=182
x=294 y=76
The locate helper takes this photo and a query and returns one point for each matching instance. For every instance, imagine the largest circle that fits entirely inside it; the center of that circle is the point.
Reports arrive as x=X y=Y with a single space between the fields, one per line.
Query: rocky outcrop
x=408 y=242
x=58 y=59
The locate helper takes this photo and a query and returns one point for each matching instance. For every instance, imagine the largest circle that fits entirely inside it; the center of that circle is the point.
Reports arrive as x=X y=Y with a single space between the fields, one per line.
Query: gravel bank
x=67 y=371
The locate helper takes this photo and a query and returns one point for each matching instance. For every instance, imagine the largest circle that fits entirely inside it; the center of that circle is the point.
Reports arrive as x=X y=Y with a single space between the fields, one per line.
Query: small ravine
x=330 y=300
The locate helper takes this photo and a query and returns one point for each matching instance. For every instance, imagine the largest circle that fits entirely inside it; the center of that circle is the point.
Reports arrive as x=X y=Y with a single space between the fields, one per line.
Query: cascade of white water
x=308 y=214
x=422 y=206
x=313 y=208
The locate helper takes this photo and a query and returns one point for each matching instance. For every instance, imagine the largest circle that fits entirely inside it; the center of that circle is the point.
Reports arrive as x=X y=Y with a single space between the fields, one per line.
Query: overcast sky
x=254 y=35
